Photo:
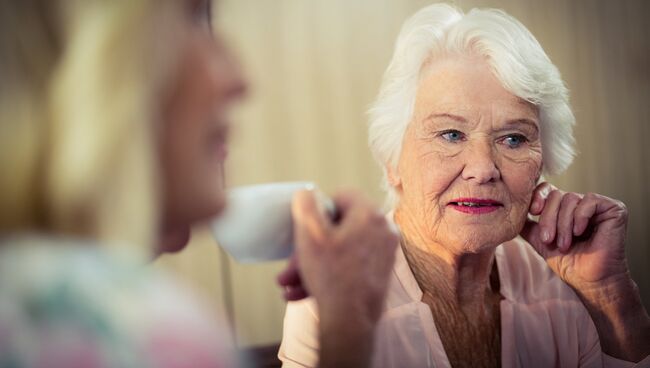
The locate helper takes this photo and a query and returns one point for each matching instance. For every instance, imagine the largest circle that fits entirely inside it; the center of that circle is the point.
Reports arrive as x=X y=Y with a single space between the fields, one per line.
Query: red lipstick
x=475 y=206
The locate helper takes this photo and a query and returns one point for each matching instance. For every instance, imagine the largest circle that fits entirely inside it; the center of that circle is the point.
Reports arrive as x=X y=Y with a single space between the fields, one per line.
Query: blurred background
x=314 y=66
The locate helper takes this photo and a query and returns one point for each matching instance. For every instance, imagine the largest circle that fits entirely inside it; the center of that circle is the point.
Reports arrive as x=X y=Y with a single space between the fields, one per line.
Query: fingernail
x=546 y=237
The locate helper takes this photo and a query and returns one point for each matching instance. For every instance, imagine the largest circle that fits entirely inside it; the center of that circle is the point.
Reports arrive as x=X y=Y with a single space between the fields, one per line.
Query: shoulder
x=74 y=294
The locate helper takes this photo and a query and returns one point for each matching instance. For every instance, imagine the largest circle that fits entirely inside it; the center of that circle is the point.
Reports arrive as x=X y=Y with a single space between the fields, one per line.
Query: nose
x=231 y=78
x=480 y=163
x=238 y=85
x=235 y=85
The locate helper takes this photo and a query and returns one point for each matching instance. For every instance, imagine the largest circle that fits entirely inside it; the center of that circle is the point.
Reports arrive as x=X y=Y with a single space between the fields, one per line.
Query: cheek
x=427 y=174
x=192 y=166
x=520 y=178
x=441 y=172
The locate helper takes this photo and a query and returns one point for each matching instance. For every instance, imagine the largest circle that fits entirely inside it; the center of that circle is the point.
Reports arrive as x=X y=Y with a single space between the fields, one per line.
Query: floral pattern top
x=67 y=303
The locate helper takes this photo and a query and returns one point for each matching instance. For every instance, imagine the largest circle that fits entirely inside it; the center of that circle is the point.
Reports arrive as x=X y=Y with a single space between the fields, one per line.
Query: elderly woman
x=471 y=113
x=113 y=133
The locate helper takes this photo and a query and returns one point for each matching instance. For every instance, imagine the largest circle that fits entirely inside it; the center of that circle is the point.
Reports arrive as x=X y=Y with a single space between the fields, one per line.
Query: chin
x=474 y=248
x=198 y=209
x=480 y=242
x=173 y=240
x=211 y=207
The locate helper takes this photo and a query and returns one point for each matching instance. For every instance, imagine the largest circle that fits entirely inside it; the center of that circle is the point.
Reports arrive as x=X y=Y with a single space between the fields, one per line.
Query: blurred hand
x=581 y=237
x=344 y=264
x=290 y=280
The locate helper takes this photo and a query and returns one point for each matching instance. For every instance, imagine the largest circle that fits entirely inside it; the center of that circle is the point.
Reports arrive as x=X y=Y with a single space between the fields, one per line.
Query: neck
x=466 y=280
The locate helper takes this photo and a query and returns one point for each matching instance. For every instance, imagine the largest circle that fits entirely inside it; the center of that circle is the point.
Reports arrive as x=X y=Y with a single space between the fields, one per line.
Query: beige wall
x=315 y=65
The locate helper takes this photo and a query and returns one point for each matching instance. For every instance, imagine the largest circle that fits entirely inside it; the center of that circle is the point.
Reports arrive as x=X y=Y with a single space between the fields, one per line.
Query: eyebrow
x=524 y=121
x=461 y=119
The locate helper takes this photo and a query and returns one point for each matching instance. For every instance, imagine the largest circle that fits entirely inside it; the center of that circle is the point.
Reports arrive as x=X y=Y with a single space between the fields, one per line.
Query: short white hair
x=512 y=52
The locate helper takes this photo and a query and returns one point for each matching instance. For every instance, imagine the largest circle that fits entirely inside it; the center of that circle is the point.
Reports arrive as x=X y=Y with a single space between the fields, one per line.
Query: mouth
x=475 y=206
x=221 y=151
x=220 y=142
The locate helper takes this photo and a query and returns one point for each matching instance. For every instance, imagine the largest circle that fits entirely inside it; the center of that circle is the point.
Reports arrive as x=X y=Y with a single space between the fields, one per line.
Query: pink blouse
x=543 y=323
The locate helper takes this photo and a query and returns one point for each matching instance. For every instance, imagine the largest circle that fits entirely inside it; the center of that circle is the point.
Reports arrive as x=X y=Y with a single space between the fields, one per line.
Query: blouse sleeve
x=611 y=362
x=300 y=345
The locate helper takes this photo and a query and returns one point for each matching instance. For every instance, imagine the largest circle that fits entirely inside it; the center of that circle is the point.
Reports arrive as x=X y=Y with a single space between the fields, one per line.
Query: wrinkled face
x=470 y=159
x=204 y=86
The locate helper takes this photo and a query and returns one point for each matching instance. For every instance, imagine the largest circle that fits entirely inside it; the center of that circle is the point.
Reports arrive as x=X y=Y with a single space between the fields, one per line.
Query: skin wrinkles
x=480 y=142
x=477 y=325
x=456 y=146
x=513 y=203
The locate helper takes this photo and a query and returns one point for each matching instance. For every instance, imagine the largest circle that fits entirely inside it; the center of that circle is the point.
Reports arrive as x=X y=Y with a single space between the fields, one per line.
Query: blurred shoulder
x=65 y=300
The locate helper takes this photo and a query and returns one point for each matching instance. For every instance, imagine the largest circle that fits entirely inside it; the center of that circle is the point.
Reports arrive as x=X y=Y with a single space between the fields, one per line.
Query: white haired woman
x=471 y=113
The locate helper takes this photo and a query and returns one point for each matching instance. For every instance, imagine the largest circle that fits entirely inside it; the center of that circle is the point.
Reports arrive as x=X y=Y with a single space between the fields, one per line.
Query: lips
x=220 y=142
x=475 y=206
x=221 y=151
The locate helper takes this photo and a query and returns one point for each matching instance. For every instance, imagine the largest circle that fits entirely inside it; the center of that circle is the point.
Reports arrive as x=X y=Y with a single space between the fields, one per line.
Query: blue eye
x=452 y=135
x=514 y=140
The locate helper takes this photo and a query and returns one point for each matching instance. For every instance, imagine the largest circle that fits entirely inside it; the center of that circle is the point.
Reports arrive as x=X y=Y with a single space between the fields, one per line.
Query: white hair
x=512 y=52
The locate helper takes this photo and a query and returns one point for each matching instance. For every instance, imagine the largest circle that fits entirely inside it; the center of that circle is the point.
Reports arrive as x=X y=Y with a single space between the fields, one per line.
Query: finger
x=532 y=234
x=363 y=216
x=327 y=206
x=565 y=220
x=353 y=208
x=307 y=214
x=584 y=212
x=346 y=200
x=540 y=194
x=548 y=218
x=291 y=275
x=295 y=293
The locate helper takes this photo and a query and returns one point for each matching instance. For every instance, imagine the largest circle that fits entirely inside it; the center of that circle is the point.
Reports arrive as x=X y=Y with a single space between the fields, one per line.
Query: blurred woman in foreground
x=113 y=130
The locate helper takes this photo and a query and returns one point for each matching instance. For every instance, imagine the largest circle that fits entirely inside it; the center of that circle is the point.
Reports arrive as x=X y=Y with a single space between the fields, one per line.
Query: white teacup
x=257 y=224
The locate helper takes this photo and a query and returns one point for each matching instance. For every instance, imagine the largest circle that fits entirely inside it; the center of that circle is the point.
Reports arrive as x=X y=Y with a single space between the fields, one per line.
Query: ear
x=392 y=175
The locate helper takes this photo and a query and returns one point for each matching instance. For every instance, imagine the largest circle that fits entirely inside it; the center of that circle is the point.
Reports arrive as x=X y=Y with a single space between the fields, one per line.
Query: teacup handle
x=327 y=206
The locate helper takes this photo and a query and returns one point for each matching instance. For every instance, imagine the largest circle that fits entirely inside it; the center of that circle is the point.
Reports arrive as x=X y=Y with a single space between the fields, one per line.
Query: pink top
x=543 y=323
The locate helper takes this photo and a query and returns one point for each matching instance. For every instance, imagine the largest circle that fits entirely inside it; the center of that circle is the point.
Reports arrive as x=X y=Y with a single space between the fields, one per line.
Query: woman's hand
x=582 y=239
x=345 y=265
x=291 y=282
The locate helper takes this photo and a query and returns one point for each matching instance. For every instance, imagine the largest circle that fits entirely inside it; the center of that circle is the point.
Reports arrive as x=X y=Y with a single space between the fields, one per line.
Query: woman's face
x=203 y=87
x=470 y=159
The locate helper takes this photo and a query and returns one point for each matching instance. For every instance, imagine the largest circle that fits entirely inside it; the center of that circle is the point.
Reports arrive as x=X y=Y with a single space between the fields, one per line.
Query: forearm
x=622 y=322
x=346 y=340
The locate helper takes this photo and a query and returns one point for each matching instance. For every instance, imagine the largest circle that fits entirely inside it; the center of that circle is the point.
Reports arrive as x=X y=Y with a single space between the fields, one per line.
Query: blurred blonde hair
x=81 y=83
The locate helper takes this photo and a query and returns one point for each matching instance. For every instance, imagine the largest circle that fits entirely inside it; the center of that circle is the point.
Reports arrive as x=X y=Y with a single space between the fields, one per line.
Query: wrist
x=346 y=338
x=622 y=322
x=616 y=293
